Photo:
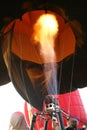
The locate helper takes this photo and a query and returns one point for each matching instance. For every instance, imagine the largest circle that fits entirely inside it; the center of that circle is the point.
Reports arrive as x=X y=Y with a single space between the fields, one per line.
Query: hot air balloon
x=28 y=69
x=43 y=53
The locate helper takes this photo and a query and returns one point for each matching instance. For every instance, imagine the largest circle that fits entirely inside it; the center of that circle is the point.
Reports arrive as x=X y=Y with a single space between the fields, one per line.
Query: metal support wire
x=46 y=123
x=33 y=121
x=61 y=120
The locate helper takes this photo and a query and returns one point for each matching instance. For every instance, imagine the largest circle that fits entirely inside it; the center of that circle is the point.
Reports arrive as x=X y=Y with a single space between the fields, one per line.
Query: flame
x=45 y=32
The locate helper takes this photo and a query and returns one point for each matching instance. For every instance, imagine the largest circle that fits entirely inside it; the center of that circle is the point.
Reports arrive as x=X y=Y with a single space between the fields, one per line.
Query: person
x=72 y=124
x=83 y=127
x=18 y=122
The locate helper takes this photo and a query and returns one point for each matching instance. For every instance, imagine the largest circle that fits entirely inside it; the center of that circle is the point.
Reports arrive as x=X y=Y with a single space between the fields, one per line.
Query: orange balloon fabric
x=24 y=46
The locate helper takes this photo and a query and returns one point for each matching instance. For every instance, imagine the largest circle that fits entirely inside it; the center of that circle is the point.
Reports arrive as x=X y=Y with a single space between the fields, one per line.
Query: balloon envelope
x=24 y=63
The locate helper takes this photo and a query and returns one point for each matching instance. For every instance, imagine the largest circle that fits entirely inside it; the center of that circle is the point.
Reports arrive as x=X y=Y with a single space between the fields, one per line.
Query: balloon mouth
x=27 y=42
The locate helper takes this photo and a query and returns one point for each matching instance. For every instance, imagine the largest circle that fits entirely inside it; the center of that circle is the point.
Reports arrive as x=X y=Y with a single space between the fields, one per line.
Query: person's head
x=18 y=122
x=72 y=123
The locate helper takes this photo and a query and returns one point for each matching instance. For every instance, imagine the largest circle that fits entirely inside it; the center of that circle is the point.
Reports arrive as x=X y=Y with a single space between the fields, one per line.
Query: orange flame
x=45 y=32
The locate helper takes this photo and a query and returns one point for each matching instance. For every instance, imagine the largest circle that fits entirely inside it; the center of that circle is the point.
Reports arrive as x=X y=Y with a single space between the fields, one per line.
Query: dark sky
x=76 y=9
x=9 y=8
